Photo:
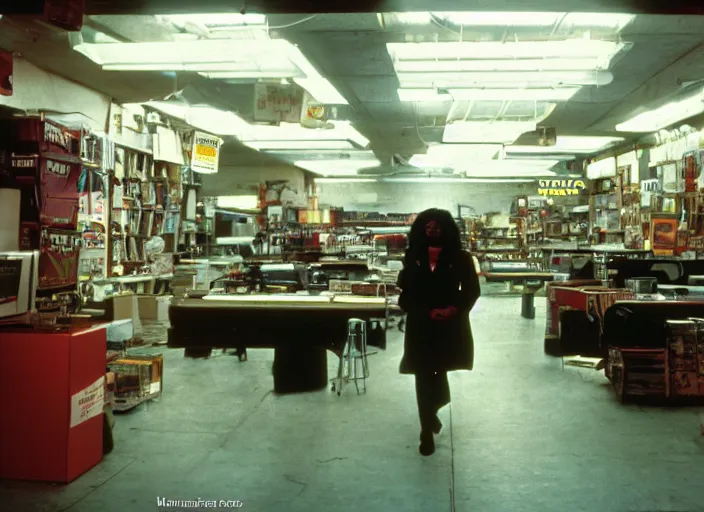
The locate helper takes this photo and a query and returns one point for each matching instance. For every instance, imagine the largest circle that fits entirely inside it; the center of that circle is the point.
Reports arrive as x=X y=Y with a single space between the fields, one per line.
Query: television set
x=19 y=275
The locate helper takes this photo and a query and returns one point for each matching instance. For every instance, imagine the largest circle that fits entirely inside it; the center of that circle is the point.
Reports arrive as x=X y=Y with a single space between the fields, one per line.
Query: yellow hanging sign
x=561 y=187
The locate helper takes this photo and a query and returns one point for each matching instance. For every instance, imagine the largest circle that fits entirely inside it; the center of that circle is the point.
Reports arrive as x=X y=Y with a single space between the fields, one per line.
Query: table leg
x=528 y=305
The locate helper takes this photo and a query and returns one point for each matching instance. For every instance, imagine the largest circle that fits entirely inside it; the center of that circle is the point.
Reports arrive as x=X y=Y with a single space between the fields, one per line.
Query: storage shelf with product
x=46 y=162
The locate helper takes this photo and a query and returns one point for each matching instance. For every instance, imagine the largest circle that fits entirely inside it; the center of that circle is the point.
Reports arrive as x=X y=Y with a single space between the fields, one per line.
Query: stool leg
x=356 y=376
x=365 y=359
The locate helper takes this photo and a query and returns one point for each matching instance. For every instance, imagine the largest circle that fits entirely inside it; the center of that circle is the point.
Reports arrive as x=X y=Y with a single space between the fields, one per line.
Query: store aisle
x=527 y=435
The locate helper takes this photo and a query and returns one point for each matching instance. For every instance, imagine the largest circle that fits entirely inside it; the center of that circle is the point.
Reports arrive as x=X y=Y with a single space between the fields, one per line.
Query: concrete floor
x=522 y=434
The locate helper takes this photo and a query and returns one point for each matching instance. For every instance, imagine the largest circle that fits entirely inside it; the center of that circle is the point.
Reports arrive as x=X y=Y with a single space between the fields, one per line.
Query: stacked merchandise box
x=639 y=372
x=685 y=338
x=138 y=378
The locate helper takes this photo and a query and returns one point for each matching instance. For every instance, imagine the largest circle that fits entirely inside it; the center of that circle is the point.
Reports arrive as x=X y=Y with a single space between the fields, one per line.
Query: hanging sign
x=561 y=187
x=277 y=103
x=88 y=403
x=6 y=68
x=205 y=154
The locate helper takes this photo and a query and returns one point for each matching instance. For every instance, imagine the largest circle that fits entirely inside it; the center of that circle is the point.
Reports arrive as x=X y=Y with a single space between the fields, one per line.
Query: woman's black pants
x=432 y=393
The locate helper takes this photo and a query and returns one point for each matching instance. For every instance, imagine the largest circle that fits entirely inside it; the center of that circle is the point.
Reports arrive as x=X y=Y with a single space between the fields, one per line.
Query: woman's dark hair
x=450 y=239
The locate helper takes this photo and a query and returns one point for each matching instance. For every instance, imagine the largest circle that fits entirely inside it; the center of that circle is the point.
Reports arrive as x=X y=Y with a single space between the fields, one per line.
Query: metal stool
x=353 y=361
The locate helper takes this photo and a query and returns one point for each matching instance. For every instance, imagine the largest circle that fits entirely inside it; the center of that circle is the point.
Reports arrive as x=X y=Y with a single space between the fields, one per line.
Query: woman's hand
x=450 y=312
x=437 y=314
x=443 y=314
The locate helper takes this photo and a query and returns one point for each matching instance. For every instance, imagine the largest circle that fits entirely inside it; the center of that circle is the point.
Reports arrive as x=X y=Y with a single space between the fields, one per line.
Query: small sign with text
x=199 y=503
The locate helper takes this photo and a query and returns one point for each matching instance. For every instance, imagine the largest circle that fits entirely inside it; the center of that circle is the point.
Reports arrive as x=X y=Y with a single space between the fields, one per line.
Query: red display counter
x=591 y=301
x=51 y=394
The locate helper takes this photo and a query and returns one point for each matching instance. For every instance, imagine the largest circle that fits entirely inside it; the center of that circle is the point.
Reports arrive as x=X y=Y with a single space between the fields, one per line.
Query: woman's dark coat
x=431 y=345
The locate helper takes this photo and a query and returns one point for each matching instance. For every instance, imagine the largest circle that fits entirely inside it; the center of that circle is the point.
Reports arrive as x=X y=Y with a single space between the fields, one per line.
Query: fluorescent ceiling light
x=409 y=18
x=448 y=155
x=343 y=130
x=531 y=64
x=574 y=145
x=501 y=19
x=203 y=117
x=570 y=49
x=326 y=155
x=317 y=86
x=336 y=167
x=504 y=79
x=295 y=145
x=252 y=59
x=423 y=95
x=202 y=55
x=543 y=94
x=345 y=180
x=499 y=132
x=244 y=75
x=216 y=20
x=615 y=22
x=665 y=116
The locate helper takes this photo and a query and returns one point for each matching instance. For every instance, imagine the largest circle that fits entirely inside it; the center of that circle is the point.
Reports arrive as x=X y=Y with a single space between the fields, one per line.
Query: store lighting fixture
x=545 y=70
x=326 y=155
x=488 y=94
x=506 y=79
x=543 y=94
x=203 y=55
x=291 y=132
x=247 y=75
x=317 y=86
x=216 y=20
x=498 y=132
x=602 y=51
x=448 y=155
x=301 y=145
x=666 y=115
x=330 y=168
x=568 y=145
x=555 y=20
x=203 y=117
x=501 y=65
x=253 y=59
x=609 y=21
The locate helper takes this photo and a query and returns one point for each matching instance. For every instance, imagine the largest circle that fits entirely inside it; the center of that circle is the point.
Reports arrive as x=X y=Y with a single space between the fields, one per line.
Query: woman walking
x=439 y=287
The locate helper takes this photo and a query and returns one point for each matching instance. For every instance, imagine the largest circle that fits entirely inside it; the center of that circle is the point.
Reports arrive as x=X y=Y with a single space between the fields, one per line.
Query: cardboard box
x=123 y=306
x=153 y=307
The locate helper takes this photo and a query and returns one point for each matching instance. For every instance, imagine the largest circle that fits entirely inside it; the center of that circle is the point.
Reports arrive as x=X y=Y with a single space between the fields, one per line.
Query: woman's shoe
x=437 y=425
x=427 y=444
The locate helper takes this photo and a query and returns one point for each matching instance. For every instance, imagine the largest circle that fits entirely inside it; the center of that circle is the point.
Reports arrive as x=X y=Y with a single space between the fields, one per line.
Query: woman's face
x=432 y=231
